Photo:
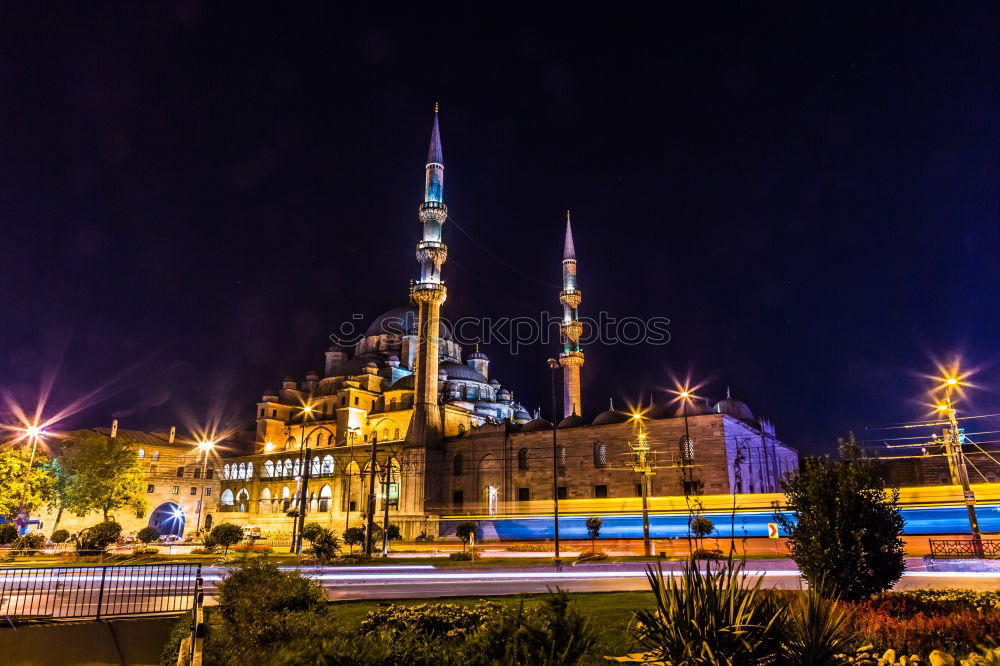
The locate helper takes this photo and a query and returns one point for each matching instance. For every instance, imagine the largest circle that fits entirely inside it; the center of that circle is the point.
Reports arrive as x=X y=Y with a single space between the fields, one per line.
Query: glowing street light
x=205 y=446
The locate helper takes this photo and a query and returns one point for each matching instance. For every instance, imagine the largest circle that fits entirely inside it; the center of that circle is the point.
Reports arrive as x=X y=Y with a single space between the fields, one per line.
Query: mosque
x=446 y=438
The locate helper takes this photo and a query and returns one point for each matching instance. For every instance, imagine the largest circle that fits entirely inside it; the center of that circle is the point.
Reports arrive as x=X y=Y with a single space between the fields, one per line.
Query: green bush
x=310 y=530
x=8 y=533
x=325 y=545
x=429 y=619
x=225 y=535
x=148 y=534
x=707 y=554
x=591 y=556
x=30 y=543
x=99 y=537
x=463 y=556
x=59 y=536
x=354 y=536
x=530 y=548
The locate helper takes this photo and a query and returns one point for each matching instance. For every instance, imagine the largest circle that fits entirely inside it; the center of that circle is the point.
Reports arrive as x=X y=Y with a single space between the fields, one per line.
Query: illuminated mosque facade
x=453 y=439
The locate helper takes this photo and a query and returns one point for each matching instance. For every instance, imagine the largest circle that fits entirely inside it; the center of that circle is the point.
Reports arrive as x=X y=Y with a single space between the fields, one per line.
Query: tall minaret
x=571 y=357
x=429 y=293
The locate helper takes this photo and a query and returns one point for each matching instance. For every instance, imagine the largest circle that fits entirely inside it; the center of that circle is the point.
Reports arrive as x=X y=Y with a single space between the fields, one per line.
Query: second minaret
x=571 y=357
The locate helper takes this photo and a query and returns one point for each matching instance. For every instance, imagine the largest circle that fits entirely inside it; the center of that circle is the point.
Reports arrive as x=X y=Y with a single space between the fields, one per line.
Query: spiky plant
x=816 y=629
x=715 y=616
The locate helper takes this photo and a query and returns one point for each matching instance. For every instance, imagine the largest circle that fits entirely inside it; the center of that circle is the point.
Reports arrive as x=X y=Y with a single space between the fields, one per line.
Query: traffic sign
x=970 y=497
x=772 y=530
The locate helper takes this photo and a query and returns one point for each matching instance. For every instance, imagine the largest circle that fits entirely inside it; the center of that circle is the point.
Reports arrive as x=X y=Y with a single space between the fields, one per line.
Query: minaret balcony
x=434 y=211
x=571 y=359
x=429 y=292
x=572 y=330
x=571 y=297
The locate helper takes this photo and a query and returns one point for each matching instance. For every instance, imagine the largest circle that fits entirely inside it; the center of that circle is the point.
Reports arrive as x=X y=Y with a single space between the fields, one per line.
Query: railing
x=96 y=592
x=964 y=548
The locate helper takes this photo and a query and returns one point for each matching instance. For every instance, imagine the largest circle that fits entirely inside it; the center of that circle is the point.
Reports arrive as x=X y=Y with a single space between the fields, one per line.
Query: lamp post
x=370 y=531
x=303 y=484
x=956 y=461
x=204 y=447
x=554 y=366
x=643 y=467
x=34 y=434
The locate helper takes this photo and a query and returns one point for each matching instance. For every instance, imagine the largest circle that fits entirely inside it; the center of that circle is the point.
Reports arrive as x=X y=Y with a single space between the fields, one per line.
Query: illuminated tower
x=429 y=293
x=571 y=357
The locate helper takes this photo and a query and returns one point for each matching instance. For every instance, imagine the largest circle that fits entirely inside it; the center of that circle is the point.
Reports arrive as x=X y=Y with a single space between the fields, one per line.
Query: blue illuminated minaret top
x=434 y=182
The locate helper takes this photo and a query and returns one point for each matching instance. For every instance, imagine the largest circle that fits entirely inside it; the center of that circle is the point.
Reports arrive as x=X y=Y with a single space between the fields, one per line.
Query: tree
x=594 y=530
x=701 y=527
x=354 y=536
x=101 y=473
x=99 y=537
x=465 y=531
x=148 y=534
x=226 y=534
x=310 y=530
x=325 y=545
x=845 y=528
x=7 y=533
x=16 y=482
x=59 y=536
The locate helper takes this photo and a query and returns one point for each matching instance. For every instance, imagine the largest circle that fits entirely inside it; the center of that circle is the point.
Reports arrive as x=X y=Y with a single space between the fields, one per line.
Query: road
x=142 y=592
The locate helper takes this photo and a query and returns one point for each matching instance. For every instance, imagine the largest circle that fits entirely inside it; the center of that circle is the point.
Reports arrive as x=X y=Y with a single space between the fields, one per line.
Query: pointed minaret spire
x=729 y=396
x=571 y=357
x=434 y=155
x=569 y=252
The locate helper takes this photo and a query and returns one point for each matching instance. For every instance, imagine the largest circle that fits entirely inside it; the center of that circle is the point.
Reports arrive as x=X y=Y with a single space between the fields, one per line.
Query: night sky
x=193 y=197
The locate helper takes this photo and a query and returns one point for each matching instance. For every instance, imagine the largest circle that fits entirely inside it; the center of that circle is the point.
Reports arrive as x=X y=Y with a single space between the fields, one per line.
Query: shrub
x=310 y=530
x=325 y=545
x=99 y=537
x=148 y=534
x=262 y=607
x=202 y=551
x=224 y=534
x=352 y=558
x=145 y=550
x=29 y=543
x=429 y=619
x=7 y=534
x=463 y=556
x=59 y=536
x=465 y=531
x=251 y=548
x=529 y=548
x=815 y=630
x=700 y=615
x=591 y=556
x=707 y=554
x=354 y=536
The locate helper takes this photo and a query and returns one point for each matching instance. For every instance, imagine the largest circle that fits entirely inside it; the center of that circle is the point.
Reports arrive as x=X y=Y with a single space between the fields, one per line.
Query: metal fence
x=964 y=548
x=96 y=592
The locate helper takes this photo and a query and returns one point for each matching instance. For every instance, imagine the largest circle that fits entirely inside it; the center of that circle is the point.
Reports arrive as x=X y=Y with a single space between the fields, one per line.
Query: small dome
x=477 y=356
x=371 y=364
x=461 y=371
x=536 y=424
x=494 y=383
x=572 y=421
x=400 y=321
x=393 y=357
x=521 y=414
x=610 y=416
x=404 y=383
x=733 y=407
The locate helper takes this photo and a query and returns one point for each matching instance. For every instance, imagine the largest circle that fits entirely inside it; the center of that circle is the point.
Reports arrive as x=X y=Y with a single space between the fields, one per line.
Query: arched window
x=227 y=497
x=392 y=405
x=156 y=456
x=265 y=500
x=385 y=434
x=269 y=469
x=396 y=436
x=686 y=444
x=285 y=498
x=315 y=466
x=522 y=459
x=561 y=456
x=459 y=465
x=327 y=465
x=325 y=494
x=297 y=469
x=243 y=498
x=600 y=454
x=249 y=470
x=142 y=454
x=243 y=472
x=225 y=473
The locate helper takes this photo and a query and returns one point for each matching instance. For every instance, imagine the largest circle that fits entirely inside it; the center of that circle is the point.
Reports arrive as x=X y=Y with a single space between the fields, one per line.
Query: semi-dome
x=521 y=414
x=404 y=383
x=460 y=371
x=735 y=408
x=401 y=321
x=610 y=416
x=536 y=424
x=572 y=421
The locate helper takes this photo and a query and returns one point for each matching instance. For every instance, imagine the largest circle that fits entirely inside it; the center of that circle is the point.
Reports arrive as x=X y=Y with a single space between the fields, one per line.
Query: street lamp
x=303 y=483
x=205 y=446
x=956 y=461
x=643 y=467
x=34 y=433
x=554 y=366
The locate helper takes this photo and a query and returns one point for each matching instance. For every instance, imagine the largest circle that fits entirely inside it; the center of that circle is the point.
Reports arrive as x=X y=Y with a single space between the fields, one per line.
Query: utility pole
x=370 y=532
x=956 y=464
x=641 y=463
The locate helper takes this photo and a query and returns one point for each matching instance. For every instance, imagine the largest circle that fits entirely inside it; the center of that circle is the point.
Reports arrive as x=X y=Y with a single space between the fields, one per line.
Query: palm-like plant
x=816 y=630
x=706 y=617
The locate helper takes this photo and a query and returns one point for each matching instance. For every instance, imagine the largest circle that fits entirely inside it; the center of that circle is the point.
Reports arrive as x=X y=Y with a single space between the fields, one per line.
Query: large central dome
x=401 y=321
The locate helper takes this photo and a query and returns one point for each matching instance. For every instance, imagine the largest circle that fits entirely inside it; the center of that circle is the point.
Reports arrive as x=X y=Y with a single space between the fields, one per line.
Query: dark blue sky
x=196 y=196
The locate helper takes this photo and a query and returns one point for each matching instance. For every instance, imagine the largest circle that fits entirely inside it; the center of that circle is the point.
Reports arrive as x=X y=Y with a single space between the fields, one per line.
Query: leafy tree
x=594 y=530
x=354 y=536
x=465 y=531
x=16 y=482
x=100 y=473
x=7 y=533
x=148 y=534
x=99 y=536
x=310 y=530
x=59 y=536
x=226 y=534
x=845 y=527
x=701 y=527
